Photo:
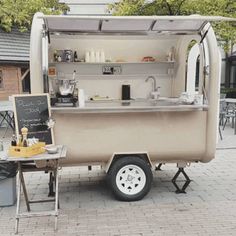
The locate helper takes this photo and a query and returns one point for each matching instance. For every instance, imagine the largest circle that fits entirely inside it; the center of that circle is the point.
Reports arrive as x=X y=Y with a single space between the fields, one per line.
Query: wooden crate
x=35 y=149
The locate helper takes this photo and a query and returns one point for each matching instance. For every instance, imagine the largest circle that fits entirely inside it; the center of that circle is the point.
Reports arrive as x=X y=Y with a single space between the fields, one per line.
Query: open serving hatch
x=129 y=24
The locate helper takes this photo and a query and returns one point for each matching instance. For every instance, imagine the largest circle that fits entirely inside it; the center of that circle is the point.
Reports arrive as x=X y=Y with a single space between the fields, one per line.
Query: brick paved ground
x=88 y=207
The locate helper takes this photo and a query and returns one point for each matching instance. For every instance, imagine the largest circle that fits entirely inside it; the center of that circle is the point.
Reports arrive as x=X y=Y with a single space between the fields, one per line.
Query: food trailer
x=122 y=94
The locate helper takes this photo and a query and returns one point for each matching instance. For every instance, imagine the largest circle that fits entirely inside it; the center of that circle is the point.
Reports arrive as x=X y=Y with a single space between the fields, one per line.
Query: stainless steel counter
x=118 y=106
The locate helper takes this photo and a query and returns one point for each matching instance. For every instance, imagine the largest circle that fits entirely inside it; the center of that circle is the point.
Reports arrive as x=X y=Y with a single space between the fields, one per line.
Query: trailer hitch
x=186 y=184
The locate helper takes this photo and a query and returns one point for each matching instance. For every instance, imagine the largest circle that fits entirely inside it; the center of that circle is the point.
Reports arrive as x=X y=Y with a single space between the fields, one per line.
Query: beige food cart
x=168 y=116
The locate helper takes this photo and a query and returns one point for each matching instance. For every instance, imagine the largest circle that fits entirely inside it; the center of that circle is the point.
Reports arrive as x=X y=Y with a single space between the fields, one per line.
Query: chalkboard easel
x=33 y=112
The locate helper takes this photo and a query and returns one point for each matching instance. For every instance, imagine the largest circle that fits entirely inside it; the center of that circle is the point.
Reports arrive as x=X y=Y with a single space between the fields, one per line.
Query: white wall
x=130 y=49
x=191 y=69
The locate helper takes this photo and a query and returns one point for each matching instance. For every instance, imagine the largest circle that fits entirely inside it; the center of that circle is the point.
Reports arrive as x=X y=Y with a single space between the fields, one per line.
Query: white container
x=8 y=191
x=87 y=56
x=198 y=99
x=92 y=56
x=81 y=98
x=97 y=56
x=102 y=56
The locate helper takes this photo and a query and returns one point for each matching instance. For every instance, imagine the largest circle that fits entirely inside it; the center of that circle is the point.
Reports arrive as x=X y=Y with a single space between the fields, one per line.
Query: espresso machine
x=64 y=92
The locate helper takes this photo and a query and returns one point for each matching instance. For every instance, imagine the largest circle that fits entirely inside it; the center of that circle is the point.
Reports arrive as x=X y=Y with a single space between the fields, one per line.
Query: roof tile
x=14 y=45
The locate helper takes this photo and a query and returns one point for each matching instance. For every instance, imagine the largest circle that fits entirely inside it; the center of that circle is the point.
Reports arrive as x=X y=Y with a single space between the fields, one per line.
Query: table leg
x=56 y=193
x=24 y=188
x=18 y=202
x=235 y=122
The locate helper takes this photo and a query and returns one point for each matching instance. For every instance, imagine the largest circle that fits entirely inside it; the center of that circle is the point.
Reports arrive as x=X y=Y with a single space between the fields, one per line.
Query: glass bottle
x=13 y=141
x=75 y=57
x=55 y=56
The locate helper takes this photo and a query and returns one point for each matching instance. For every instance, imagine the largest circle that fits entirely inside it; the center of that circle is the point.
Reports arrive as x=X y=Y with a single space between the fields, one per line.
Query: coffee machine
x=64 y=92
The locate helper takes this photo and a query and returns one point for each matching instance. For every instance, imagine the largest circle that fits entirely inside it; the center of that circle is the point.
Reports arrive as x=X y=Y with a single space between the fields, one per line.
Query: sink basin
x=154 y=103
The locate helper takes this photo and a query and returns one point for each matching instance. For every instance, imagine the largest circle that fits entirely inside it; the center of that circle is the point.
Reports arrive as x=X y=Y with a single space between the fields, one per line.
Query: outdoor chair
x=229 y=115
x=7 y=121
x=222 y=113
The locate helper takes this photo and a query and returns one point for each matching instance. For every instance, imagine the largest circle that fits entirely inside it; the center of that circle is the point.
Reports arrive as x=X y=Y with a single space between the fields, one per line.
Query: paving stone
x=89 y=208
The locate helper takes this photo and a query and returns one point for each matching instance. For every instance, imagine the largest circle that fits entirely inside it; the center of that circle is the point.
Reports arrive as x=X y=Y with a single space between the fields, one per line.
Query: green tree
x=20 y=13
x=226 y=31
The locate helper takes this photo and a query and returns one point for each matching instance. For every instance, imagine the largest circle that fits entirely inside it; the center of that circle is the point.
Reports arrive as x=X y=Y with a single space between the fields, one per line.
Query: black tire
x=139 y=166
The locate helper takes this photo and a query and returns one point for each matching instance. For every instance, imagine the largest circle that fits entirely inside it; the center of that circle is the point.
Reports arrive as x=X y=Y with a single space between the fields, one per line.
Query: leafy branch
x=225 y=31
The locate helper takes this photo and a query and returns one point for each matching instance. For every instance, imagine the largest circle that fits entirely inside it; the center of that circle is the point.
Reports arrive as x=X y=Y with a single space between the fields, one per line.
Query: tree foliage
x=226 y=31
x=20 y=13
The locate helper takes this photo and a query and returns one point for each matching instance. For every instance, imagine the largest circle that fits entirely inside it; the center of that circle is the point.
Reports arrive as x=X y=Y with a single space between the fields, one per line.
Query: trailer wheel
x=130 y=178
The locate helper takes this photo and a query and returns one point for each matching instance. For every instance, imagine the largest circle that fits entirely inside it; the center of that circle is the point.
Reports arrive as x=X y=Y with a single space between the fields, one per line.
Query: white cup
x=81 y=98
x=87 y=56
x=198 y=99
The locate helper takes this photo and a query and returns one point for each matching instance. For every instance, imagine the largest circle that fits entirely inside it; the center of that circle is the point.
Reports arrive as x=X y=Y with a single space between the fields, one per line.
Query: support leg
x=221 y=137
x=235 y=122
x=221 y=120
x=56 y=194
x=158 y=167
x=24 y=188
x=226 y=119
x=55 y=185
x=50 y=184
x=186 y=184
x=18 y=203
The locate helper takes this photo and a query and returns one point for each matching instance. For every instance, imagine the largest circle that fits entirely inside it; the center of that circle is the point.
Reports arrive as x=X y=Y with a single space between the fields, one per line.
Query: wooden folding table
x=25 y=165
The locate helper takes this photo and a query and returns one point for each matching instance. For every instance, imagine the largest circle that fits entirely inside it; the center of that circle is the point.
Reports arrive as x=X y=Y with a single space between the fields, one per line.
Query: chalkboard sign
x=33 y=112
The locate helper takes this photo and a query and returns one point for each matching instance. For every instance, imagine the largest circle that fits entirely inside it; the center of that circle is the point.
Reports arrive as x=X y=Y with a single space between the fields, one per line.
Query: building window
x=1 y=79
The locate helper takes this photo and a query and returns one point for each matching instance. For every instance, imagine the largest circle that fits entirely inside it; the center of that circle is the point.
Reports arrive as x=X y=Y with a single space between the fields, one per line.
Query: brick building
x=14 y=63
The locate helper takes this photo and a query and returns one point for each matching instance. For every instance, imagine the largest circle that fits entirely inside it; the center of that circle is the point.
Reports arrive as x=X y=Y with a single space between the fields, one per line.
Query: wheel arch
x=118 y=155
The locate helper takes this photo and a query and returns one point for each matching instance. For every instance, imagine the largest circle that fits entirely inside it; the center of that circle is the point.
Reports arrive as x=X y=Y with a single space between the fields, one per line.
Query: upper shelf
x=113 y=63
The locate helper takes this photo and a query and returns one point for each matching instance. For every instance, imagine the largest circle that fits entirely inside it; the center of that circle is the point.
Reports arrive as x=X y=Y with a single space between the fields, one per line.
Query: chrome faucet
x=155 y=93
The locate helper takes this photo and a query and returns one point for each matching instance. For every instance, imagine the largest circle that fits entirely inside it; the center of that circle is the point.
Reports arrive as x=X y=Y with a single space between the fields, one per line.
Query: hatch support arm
x=45 y=59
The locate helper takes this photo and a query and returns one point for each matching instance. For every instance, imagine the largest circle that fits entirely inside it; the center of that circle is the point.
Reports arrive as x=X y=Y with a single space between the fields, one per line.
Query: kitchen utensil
x=66 y=86
x=51 y=149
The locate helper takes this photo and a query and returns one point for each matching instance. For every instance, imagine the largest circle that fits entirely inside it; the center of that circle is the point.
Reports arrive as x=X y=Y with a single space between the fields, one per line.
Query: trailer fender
x=117 y=155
